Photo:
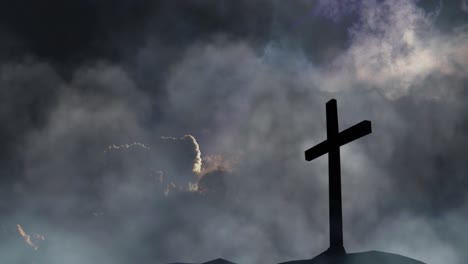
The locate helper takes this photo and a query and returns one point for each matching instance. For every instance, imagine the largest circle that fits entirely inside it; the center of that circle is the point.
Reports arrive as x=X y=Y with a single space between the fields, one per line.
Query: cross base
x=334 y=251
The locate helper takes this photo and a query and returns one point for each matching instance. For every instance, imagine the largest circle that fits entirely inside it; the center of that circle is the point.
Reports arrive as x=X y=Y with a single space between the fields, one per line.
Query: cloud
x=127 y=146
x=464 y=5
x=336 y=10
x=395 y=48
x=217 y=163
x=79 y=126
x=197 y=162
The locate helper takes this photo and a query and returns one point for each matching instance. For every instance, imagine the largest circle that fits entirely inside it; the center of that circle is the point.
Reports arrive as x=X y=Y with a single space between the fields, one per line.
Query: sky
x=166 y=131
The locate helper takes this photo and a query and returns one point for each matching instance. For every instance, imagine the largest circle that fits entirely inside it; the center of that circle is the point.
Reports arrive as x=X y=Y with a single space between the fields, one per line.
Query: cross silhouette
x=331 y=145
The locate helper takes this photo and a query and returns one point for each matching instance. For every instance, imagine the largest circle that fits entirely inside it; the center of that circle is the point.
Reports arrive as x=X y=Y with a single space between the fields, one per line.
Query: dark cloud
x=78 y=31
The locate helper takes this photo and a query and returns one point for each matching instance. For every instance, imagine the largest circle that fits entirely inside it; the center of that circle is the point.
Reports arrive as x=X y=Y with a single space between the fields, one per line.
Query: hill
x=215 y=261
x=369 y=257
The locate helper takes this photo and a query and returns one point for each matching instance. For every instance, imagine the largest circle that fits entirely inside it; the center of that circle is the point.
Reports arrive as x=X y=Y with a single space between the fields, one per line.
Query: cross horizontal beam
x=359 y=130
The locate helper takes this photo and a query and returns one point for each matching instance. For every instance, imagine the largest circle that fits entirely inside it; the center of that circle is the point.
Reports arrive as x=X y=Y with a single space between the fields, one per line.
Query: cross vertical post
x=334 y=178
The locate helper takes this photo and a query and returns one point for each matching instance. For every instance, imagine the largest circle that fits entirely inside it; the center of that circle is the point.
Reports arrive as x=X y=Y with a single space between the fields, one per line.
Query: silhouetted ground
x=369 y=257
x=215 y=261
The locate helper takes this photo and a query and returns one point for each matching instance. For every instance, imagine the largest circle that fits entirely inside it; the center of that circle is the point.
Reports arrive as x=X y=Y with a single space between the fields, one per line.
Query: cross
x=331 y=145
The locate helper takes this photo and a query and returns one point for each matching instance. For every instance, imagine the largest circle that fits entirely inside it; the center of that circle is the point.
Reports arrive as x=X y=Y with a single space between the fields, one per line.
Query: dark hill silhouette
x=368 y=257
x=215 y=261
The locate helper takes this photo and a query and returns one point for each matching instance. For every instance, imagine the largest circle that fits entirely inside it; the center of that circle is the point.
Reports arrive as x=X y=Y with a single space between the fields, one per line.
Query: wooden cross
x=331 y=145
